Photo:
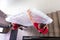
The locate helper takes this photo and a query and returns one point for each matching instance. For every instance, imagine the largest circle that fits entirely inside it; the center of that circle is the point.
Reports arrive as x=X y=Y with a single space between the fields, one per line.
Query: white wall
x=46 y=6
x=51 y=6
x=54 y=5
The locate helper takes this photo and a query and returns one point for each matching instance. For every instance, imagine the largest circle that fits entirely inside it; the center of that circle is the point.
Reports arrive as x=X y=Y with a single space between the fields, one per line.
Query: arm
x=30 y=16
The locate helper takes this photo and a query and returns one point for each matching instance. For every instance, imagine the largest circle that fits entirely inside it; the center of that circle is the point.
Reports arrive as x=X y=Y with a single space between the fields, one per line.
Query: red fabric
x=46 y=31
x=36 y=25
x=15 y=26
x=41 y=30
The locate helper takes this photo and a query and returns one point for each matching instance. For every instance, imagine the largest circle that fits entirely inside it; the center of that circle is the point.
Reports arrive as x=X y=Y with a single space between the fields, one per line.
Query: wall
x=51 y=6
x=11 y=7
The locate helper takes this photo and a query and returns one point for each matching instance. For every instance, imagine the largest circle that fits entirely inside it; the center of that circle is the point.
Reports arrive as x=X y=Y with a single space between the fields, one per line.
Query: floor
x=5 y=36
x=26 y=32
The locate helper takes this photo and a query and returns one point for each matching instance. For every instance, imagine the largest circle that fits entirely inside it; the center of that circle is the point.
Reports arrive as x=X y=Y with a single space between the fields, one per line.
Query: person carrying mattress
x=30 y=17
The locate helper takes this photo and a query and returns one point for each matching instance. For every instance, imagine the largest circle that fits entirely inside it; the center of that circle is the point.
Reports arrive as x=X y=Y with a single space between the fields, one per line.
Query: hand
x=46 y=26
x=28 y=11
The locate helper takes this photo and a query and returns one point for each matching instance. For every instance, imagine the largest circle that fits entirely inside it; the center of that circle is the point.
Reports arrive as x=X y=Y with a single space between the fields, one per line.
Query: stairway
x=54 y=27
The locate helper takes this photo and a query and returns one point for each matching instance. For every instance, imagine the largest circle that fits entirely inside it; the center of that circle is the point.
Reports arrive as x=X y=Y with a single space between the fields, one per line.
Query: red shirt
x=43 y=31
x=15 y=26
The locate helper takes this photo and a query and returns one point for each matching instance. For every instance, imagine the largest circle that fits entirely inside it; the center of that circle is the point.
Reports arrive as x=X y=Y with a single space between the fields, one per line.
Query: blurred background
x=11 y=7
